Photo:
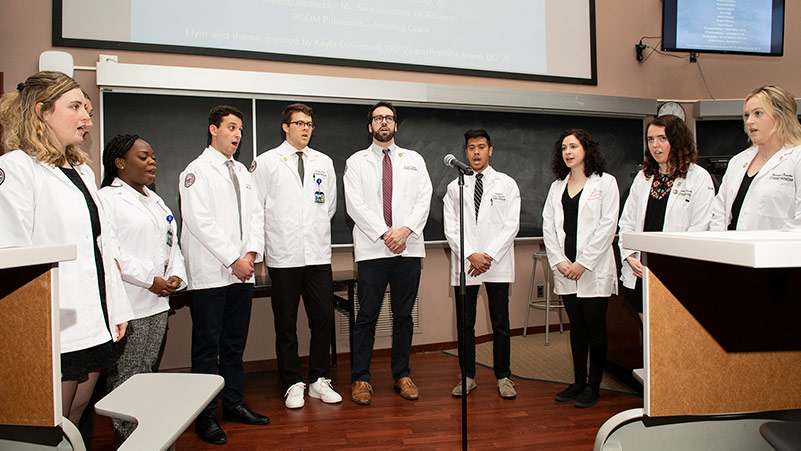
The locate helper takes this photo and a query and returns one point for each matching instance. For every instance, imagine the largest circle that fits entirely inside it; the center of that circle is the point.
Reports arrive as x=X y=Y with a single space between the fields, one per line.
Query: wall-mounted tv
x=747 y=27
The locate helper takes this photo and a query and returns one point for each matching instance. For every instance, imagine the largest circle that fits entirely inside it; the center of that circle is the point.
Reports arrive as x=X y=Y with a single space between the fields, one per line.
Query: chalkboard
x=720 y=137
x=523 y=143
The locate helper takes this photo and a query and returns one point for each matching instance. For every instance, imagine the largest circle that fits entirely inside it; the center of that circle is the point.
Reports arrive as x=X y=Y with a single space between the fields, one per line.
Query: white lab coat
x=773 y=201
x=210 y=237
x=142 y=245
x=411 y=200
x=40 y=205
x=688 y=210
x=297 y=229
x=493 y=233
x=597 y=222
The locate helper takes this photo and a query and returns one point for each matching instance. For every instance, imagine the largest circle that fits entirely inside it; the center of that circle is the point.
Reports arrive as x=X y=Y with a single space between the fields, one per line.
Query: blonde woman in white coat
x=578 y=223
x=152 y=263
x=670 y=194
x=760 y=189
x=48 y=196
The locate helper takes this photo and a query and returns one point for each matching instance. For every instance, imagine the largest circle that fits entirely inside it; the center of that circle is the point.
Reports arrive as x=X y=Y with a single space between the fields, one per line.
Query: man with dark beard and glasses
x=388 y=196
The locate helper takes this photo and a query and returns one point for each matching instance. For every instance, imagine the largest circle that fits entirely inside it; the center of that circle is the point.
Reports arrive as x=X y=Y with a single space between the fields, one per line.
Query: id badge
x=319 y=195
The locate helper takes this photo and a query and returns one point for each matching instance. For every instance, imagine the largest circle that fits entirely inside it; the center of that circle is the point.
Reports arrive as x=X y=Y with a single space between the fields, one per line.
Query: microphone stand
x=461 y=301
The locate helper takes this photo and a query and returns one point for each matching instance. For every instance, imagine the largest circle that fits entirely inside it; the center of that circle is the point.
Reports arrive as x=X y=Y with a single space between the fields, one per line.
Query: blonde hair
x=780 y=105
x=23 y=125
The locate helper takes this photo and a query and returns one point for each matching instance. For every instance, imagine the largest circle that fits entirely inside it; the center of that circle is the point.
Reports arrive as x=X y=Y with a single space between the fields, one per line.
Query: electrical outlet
x=107 y=58
x=540 y=291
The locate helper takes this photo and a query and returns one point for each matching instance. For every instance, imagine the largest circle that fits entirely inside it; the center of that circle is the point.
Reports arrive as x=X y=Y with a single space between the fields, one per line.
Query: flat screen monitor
x=746 y=27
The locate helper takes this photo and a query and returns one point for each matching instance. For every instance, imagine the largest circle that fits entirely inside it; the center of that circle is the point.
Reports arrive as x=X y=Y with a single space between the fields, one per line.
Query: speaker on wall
x=57 y=60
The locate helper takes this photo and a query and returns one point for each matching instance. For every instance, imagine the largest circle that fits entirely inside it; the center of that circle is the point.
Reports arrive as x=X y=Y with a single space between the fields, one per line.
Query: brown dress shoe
x=361 y=392
x=406 y=388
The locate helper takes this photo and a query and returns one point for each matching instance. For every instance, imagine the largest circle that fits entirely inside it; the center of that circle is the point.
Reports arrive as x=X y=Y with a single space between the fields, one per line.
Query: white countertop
x=756 y=249
x=14 y=257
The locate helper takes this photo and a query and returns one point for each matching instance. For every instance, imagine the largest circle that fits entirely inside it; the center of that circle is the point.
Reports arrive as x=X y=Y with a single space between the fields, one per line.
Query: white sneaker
x=323 y=391
x=294 y=396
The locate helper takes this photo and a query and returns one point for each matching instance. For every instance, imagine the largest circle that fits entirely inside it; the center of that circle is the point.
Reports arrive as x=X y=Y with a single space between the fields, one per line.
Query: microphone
x=451 y=161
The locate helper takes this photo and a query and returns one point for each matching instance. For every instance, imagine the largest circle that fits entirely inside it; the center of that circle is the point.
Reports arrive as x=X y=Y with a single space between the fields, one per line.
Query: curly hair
x=25 y=128
x=782 y=108
x=115 y=148
x=594 y=161
x=682 y=147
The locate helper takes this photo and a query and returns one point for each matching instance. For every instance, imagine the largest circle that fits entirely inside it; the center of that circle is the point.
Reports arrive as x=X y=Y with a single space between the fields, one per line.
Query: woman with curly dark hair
x=578 y=224
x=670 y=194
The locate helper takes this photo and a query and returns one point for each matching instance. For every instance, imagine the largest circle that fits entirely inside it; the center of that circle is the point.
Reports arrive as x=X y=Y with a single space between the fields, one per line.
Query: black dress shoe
x=242 y=414
x=570 y=393
x=587 y=398
x=209 y=430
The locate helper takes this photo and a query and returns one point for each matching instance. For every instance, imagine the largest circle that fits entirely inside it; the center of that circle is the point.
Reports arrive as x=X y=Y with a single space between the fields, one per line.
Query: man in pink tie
x=388 y=196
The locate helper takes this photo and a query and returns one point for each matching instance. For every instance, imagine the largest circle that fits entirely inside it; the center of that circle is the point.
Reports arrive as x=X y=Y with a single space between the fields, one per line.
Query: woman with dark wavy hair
x=578 y=224
x=670 y=194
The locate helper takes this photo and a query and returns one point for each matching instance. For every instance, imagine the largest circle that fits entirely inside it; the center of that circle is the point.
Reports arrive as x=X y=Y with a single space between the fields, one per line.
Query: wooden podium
x=721 y=334
x=30 y=362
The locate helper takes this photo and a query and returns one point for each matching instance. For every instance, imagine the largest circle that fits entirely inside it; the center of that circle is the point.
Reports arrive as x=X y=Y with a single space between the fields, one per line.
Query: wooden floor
x=532 y=421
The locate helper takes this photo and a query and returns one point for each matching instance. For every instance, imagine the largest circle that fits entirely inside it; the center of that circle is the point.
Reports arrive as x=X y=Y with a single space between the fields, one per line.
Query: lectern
x=721 y=338
x=30 y=363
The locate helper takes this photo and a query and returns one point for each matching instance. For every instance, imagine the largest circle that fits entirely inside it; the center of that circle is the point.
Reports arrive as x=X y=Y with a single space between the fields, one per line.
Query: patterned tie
x=301 y=170
x=235 y=180
x=386 y=177
x=479 y=191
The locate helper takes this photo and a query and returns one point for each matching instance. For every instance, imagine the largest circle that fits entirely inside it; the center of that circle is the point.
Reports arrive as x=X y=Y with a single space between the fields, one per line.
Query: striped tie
x=479 y=191
x=386 y=176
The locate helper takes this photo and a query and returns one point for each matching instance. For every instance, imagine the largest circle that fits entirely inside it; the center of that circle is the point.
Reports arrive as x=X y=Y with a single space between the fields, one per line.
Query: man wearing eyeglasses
x=297 y=188
x=388 y=196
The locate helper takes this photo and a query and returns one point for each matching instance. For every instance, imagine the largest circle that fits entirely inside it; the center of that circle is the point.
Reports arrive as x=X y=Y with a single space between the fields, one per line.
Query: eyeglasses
x=380 y=119
x=302 y=124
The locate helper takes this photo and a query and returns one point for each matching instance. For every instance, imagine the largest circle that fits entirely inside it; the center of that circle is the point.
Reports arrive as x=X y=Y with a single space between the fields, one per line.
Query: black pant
x=634 y=296
x=403 y=276
x=498 y=301
x=316 y=284
x=220 y=320
x=587 y=335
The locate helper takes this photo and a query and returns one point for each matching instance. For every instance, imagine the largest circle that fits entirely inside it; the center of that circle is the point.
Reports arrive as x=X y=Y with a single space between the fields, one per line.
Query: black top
x=738 y=200
x=94 y=216
x=570 y=206
x=657 y=203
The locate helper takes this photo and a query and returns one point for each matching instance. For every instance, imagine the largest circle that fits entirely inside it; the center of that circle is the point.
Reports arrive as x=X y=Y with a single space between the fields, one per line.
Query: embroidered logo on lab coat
x=2 y=176
x=189 y=180
x=595 y=194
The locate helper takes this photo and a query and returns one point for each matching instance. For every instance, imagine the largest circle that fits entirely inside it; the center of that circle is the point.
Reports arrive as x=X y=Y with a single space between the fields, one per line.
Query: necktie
x=479 y=191
x=386 y=177
x=235 y=180
x=300 y=166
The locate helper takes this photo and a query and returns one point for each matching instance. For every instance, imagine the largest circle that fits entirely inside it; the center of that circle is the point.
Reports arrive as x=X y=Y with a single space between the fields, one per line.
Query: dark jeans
x=587 y=335
x=403 y=276
x=220 y=320
x=498 y=301
x=316 y=285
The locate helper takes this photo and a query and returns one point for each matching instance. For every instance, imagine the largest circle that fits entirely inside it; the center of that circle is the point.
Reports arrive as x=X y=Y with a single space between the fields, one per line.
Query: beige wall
x=25 y=31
